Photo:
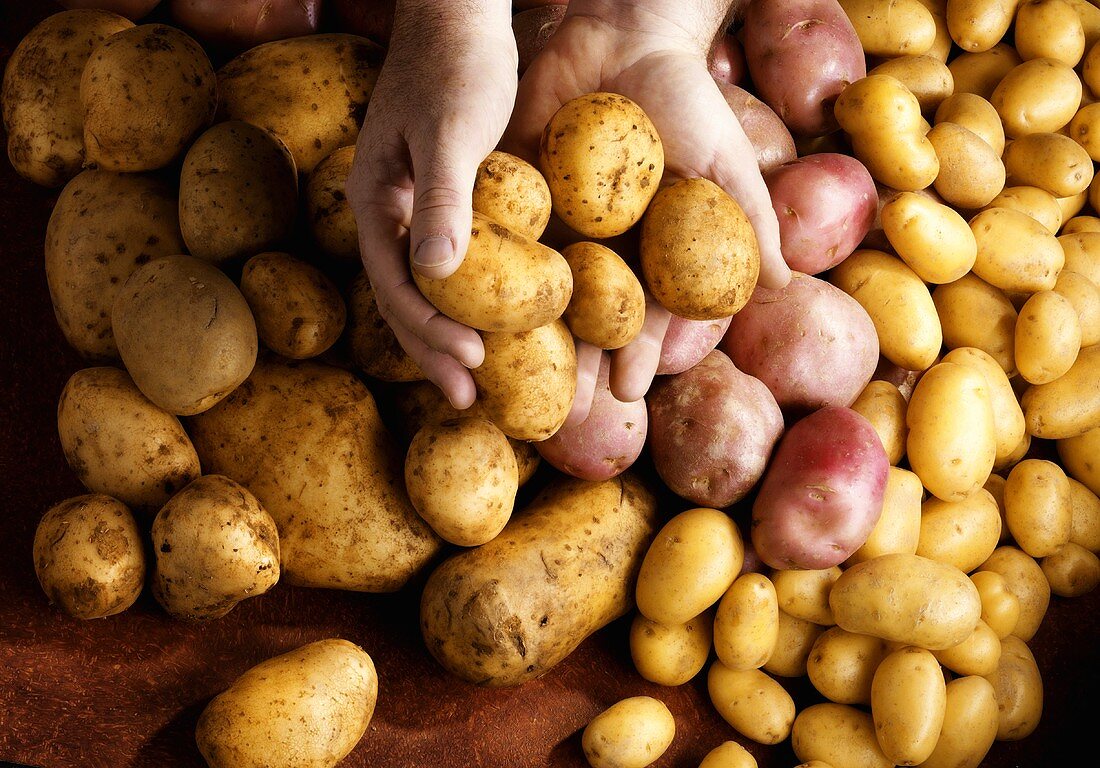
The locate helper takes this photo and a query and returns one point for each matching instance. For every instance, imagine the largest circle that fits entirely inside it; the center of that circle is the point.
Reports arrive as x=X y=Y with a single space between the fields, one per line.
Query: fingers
x=442 y=210
x=588 y=369
x=634 y=366
x=442 y=370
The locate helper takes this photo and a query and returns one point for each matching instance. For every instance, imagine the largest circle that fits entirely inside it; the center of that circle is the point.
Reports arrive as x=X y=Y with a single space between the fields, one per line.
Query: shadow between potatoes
x=174 y=744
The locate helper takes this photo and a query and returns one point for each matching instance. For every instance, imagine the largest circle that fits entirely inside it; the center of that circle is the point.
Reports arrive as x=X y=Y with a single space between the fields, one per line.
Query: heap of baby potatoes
x=890 y=465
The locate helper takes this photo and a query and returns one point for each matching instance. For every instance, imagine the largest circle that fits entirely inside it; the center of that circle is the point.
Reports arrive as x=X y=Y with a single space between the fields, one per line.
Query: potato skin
x=331 y=222
x=40 y=94
x=308 y=707
x=770 y=138
x=837 y=734
x=505 y=613
x=513 y=193
x=246 y=23
x=374 y=349
x=687 y=342
x=632 y=733
x=607 y=307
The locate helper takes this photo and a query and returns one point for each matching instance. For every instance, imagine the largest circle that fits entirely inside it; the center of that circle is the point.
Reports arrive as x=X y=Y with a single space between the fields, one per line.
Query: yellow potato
x=1085 y=510
x=1049 y=29
x=603 y=161
x=670 y=655
x=631 y=733
x=1090 y=68
x=943 y=45
x=932 y=238
x=904 y=27
x=1089 y=15
x=1000 y=606
x=926 y=76
x=1084 y=128
x=976 y=655
x=1074 y=204
x=1072 y=571
x=1048 y=337
x=979 y=72
x=898 y=527
x=842 y=665
x=969 y=725
x=837 y=734
x=908 y=599
x=607 y=307
x=513 y=193
x=1037 y=507
x=1078 y=454
x=1082 y=253
x=804 y=594
x=1081 y=223
x=1037 y=96
x=331 y=221
x=372 y=345
x=908 y=699
x=1084 y=295
x=793 y=644
x=1051 y=161
x=1069 y=405
x=1036 y=203
x=975 y=113
x=1015 y=252
x=960 y=533
x=1018 y=687
x=883 y=404
x=970 y=171
x=899 y=304
x=1025 y=579
x=746 y=622
x=728 y=754
x=978 y=25
x=1008 y=417
x=958 y=303
x=751 y=701
x=689 y=566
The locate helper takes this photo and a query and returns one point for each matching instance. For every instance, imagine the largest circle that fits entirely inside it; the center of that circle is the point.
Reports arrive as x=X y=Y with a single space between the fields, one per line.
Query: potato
x=238 y=193
x=969 y=725
x=331 y=221
x=506 y=612
x=979 y=25
x=307 y=707
x=137 y=122
x=976 y=655
x=533 y=27
x=970 y=172
x=1084 y=295
x=345 y=524
x=699 y=254
x=1015 y=252
x=1018 y=687
x=1051 y=161
x=907 y=599
x=1008 y=418
x=883 y=405
x=899 y=304
x=746 y=622
x=728 y=754
x=1036 y=203
x=310 y=91
x=528 y=380
x=1037 y=96
x=1000 y=607
x=632 y=733
x=904 y=28
x=1072 y=571
x=689 y=565
x=715 y=405
x=785 y=337
x=670 y=655
x=374 y=349
x=800 y=56
x=184 y=332
x=89 y=557
x=1025 y=579
x=825 y=203
x=979 y=72
x=602 y=159
x=103 y=227
x=1048 y=337
x=1069 y=405
x=687 y=342
x=837 y=734
x=1085 y=513
x=1076 y=455
x=754 y=703
x=932 y=238
x=215 y=545
x=804 y=593
x=1081 y=223
x=131 y=9
x=926 y=76
x=462 y=478
x=959 y=302
x=1037 y=507
x=976 y=114
x=842 y=665
x=40 y=94
x=822 y=492
x=961 y=533
x=1049 y=29
x=793 y=646
x=607 y=306
x=765 y=130
x=898 y=527
x=119 y=443
x=908 y=699
x=243 y=24
x=1073 y=205
x=513 y=193
x=943 y=46
x=1082 y=251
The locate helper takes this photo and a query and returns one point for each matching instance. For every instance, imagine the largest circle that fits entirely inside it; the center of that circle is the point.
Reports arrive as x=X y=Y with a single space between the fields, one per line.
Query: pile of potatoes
x=882 y=472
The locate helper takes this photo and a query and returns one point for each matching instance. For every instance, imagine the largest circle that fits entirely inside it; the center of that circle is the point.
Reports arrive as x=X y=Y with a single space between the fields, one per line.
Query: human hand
x=441 y=103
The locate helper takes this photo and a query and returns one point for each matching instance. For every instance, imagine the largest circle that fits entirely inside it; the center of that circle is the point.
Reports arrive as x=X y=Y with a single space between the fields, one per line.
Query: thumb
x=442 y=213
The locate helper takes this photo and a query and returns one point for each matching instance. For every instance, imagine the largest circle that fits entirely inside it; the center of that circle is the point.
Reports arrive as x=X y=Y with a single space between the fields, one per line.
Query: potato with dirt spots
x=513 y=193
x=374 y=348
x=632 y=733
x=331 y=221
x=89 y=556
x=607 y=307
x=215 y=545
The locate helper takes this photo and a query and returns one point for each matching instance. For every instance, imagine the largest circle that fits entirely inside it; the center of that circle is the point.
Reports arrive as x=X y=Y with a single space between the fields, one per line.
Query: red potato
x=772 y=141
x=810 y=343
x=606 y=443
x=369 y=18
x=822 y=493
x=686 y=342
x=727 y=60
x=240 y=24
x=826 y=204
x=801 y=54
x=711 y=431
x=131 y=9
x=533 y=29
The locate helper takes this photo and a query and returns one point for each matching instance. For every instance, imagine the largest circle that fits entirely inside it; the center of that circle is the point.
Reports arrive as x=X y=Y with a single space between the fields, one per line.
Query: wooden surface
x=126 y=691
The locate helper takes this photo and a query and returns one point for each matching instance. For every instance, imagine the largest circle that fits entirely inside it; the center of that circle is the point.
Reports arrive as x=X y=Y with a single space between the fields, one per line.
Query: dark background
x=127 y=690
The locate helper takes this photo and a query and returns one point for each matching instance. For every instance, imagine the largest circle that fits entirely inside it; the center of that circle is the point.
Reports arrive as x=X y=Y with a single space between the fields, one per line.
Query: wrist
x=693 y=24
x=462 y=19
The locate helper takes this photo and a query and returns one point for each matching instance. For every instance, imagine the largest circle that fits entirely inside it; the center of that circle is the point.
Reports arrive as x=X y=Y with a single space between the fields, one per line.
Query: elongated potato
x=331 y=221
x=958 y=303
x=902 y=28
x=1051 y=161
x=1015 y=252
x=1048 y=337
x=1018 y=686
x=505 y=612
x=1024 y=578
x=1039 y=95
x=932 y=238
x=908 y=699
x=926 y=76
x=1069 y=405
x=842 y=665
x=837 y=734
x=979 y=72
x=1085 y=508
x=898 y=527
x=754 y=703
x=969 y=724
x=978 y=25
x=1008 y=417
x=883 y=405
x=1037 y=507
x=746 y=623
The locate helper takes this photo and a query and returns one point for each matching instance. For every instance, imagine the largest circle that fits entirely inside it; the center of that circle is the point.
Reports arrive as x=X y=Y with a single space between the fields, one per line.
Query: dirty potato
x=513 y=193
x=331 y=221
x=607 y=307
x=374 y=349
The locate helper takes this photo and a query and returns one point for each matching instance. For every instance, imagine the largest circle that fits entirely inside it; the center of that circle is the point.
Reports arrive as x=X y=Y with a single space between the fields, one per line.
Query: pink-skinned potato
x=711 y=431
x=801 y=54
x=810 y=343
x=606 y=443
x=822 y=493
x=369 y=18
x=239 y=24
x=765 y=130
x=825 y=203
x=533 y=28
x=686 y=342
x=727 y=60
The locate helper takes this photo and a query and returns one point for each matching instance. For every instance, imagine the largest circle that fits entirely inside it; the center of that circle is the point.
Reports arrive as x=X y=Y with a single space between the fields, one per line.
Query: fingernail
x=433 y=252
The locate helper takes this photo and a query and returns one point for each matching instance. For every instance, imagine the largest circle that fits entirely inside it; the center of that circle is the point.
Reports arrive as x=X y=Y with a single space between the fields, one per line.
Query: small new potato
x=462 y=478
x=898 y=527
x=926 y=76
x=670 y=655
x=804 y=593
x=883 y=405
x=752 y=701
x=1037 y=96
x=306 y=708
x=89 y=557
x=372 y=344
x=979 y=72
x=842 y=665
x=1084 y=295
x=607 y=306
x=1068 y=406
x=1037 y=506
x=1025 y=579
x=1051 y=161
x=979 y=25
x=1048 y=337
x=932 y=238
x=513 y=193
x=1049 y=29
x=962 y=533
x=970 y=173
x=331 y=221
x=746 y=622
x=908 y=700
x=1000 y=607
x=632 y=733
x=969 y=725
x=728 y=754
x=958 y=303
x=976 y=655
x=902 y=28
x=975 y=113
x=793 y=645
x=837 y=734
x=1018 y=687
x=1008 y=417
x=1072 y=571
x=1036 y=203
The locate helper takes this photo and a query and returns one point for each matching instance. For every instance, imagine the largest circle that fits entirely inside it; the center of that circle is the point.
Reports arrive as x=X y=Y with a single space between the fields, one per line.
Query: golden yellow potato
x=308 y=707
x=689 y=565
x=932 y=238
x=119 y=443
x=1072 y=571
x=899 y=304
x=1074 y=204
x=1085 y=511
x=1084 y=295
x=976 y=655
x=943 y=45
x=462 y=478
x=1037 y=96
x=1018 y=687
x=1008 y=417
x=1000 y=607
x=670 y=655
x=603 y=161
x=995 y=484
x=908 y=599
x=793 y=644
x=969 y=725
x=201 y=570
x=728 y=754
x=1089 y=15
x=699 y=254
x=40 y=94
x=1048 y=337
x=607 y=307
x=1069 y=405
x=883 y=404
x=842 y=665
x=1051 y=161
x=746 y=622
x=104 y=226
x=1015 y=252
x=331 y=221
x=837 y=734
x=528 y=380
x=506 y=612
x=1037 y=506
x=754 y=703
x=903 y=28
x=961 y=533
x=974 y=113
x=979 y=72
x=952 y=440
x=926 y=76
x=804 y=594
x=184 y=332
x=908 y=699
x=238 y=193
x=373 y=347
x=1082 y=253
x=1025 y=579
x=1090 y=68
x=898 y=527
x=1036 y=203
x=979 y=25
x=1084 y=128
x=89 y=556
x=970 y=171
x=958 y=303
x=1081 y=223
x=310 y=91
x=513 y=193
x=1077 y=455
x=632 y=733
x=1049 y=29
x=146 y=91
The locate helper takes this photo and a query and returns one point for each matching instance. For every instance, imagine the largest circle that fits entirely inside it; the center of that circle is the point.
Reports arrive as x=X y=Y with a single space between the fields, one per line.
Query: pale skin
x=448 y=95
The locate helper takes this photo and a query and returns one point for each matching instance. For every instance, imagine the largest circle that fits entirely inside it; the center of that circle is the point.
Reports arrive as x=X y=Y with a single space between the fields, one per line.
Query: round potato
x=746 y=622
x=1008 y=418
x=976 y=655
x=632 y=733
x=1015 y=252
x=513 y=193
x=374 y=349
x=1051 y=161
x=1018 y=687
x=607 y=306
x=842 y=665
x=1000 y=607
x=837 y=734
x=754 y=703
x=1072 y=571
x=904 y=28
x=804 y=593
x=975 y=113
x=1037 y=96
x=926 y=76
x=1069 y=405
x=1048 y=337
x=793 y=646
x=1025 y=579
x=971 y=173
x=670 y=655
x=979 y=72
x=728 y=754
x=1084 y=295
x=1049 y=29
x=331 y=221
x=979 y=26
x=959 y=302
x=908 y=700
